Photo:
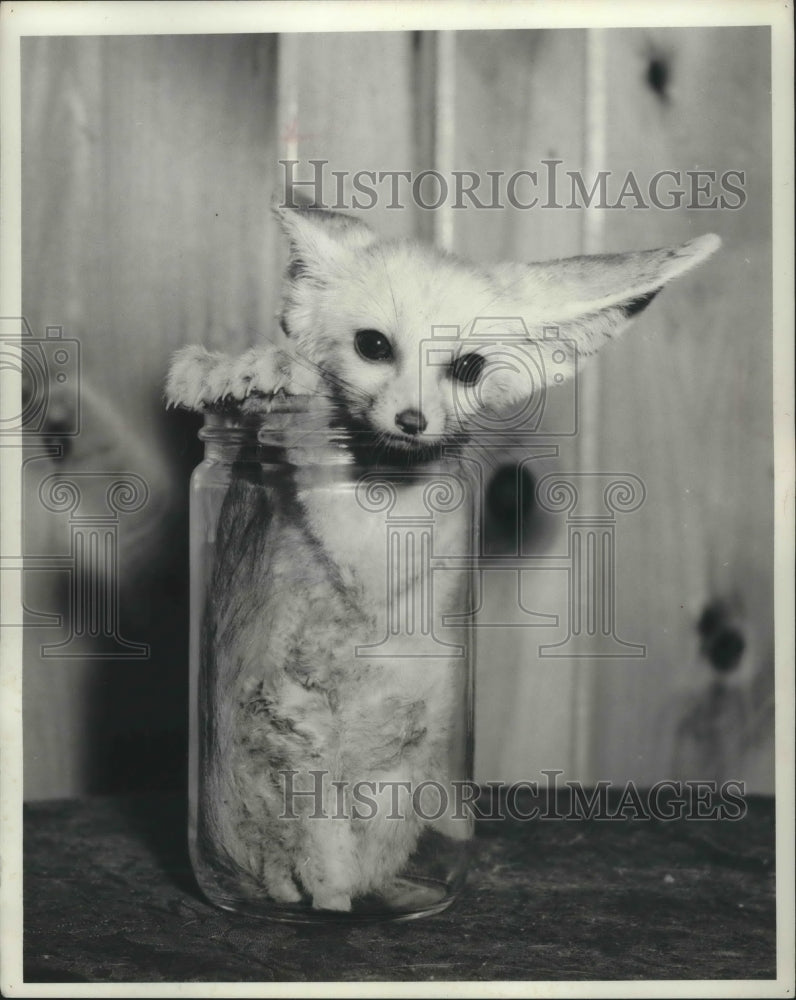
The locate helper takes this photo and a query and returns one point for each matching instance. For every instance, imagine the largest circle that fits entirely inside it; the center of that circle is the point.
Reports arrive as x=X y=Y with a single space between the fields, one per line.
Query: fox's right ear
x=319 y=239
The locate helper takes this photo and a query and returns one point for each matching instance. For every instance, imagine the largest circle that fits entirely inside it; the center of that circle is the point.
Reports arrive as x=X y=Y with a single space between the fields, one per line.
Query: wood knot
x=658 y=76
x=722 y=641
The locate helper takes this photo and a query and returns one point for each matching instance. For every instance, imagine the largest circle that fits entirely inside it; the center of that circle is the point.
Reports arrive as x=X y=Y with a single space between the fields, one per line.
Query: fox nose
x=411 y=421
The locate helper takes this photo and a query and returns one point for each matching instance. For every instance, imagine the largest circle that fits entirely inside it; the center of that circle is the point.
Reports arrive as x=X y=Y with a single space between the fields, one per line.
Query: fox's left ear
x=593 y=298
x=319 y=238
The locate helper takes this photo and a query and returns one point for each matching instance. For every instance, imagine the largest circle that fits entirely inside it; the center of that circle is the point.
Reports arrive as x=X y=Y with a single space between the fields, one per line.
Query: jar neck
x=299 y=434
x=292 y=432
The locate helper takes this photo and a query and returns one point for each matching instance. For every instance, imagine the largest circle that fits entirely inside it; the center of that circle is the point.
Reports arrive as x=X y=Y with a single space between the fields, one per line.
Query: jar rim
x=233 y=420
x=287 y=423
x=297 y=424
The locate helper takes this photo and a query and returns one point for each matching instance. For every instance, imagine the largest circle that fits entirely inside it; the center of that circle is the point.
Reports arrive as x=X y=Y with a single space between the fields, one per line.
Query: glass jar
x=331 y=673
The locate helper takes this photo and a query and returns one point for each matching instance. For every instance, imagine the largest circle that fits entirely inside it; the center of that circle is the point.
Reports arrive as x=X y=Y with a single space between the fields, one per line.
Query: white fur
x=288 y=687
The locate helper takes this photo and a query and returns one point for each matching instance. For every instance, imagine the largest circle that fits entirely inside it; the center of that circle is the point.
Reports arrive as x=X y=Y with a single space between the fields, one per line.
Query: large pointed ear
x=319 y=239
x=585 y=301
x=591 y=299
x=574 y=305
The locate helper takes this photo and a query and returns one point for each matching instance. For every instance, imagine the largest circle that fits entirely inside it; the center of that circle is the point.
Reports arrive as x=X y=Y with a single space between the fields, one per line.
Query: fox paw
x=199 y=379
x=331 y=899
x=282 y=889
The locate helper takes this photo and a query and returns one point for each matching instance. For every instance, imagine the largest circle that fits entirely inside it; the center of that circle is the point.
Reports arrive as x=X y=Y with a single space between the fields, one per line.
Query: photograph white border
x=74 y=18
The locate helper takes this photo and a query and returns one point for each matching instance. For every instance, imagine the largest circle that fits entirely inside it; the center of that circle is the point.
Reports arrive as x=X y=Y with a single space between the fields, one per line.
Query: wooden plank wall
x=684 y=404
x=149 y=163
x=136 y=240
x=697 y=431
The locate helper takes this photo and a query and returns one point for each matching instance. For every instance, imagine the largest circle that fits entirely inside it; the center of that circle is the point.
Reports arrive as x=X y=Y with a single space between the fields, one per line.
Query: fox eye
x=373 y=345
x=467 y=368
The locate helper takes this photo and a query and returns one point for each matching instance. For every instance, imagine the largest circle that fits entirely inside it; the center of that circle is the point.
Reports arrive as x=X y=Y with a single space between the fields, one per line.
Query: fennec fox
x=299 y=580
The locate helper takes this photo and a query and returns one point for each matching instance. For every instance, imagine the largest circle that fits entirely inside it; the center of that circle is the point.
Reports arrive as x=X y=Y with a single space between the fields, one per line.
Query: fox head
x=414 y=343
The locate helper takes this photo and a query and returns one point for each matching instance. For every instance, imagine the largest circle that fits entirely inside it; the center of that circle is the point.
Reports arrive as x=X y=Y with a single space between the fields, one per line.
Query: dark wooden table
x=109 y=897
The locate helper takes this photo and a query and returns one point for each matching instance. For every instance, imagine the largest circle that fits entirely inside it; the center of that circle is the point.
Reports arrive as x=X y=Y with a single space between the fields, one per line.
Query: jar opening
x=308 y=430
x=226 y=422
